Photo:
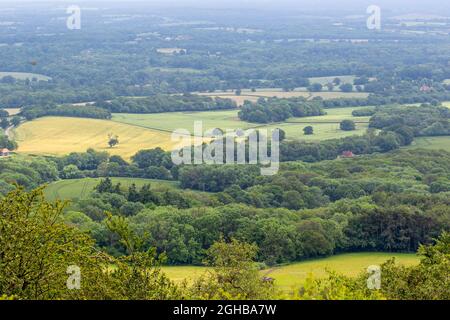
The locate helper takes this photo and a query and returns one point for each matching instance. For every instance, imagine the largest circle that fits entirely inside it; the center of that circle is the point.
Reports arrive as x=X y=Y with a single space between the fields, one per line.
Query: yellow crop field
x=60 y=135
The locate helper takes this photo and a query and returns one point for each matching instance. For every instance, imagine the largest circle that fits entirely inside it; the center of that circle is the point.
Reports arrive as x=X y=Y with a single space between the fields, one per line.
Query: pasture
x=431 y=143
x=25 y=76
x=82 y=188
x=291 y=276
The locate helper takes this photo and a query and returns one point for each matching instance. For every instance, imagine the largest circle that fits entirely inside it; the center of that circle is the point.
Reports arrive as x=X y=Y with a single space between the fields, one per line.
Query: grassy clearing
x=24 y=76
x=60 y=135
x=292 y=276
x=325 y=127
x=82 y=188
x=432 y=143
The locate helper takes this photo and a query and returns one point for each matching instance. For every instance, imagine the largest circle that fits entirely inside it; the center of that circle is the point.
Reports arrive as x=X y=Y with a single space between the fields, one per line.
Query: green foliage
x=166 y=103
x=427 y=281
x=276 y=110
x=336 y=287
x=37 y=248
x=234 y=275
x=430 y=280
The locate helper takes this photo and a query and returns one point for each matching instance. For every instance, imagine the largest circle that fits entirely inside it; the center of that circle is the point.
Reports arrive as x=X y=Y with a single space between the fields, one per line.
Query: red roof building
x=4 y=152
x=425 y=88
x=347 y=154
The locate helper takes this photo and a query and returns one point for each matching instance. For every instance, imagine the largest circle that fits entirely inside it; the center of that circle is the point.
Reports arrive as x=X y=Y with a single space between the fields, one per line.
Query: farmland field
x=24 y=76
x=326 y=127
x=82 y=188
x=60 y=135
x=293 y=275
x=12 y=111
x=435 y=143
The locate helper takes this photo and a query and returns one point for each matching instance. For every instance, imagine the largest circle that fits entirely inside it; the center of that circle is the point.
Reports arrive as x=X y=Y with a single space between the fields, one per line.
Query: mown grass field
x=82 y=188
x=292 y=276
x=24 y=76
x=60 y=135
x=434 y=143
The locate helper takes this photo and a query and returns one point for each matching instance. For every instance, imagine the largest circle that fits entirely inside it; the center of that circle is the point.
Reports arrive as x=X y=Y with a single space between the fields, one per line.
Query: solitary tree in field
x=113 y=140
x=308 y=130
x=347 y=125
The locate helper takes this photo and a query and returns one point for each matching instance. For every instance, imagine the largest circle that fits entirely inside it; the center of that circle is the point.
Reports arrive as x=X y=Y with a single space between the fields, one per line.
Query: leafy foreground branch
x=37 y=248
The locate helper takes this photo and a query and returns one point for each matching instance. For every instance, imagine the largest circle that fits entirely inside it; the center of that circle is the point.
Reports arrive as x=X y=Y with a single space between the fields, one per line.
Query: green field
x=289 y=277
x=325 y=127
x=24 y=76
x=435 y=143
x=82 y=188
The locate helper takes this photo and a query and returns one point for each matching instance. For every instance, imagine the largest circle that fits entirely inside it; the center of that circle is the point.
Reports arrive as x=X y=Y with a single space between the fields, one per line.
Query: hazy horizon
x=398 y=6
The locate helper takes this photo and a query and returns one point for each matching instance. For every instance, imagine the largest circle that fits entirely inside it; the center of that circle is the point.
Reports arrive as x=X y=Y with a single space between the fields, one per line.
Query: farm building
x=4 y=152
x=426 y=88
x=347 y=154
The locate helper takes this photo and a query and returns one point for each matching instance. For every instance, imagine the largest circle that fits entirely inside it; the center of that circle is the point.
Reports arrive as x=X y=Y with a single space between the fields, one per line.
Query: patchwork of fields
x=292 y=276
x=62 y=135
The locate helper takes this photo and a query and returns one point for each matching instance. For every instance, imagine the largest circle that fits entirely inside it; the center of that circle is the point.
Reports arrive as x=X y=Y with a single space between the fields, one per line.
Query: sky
x=404 y=6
